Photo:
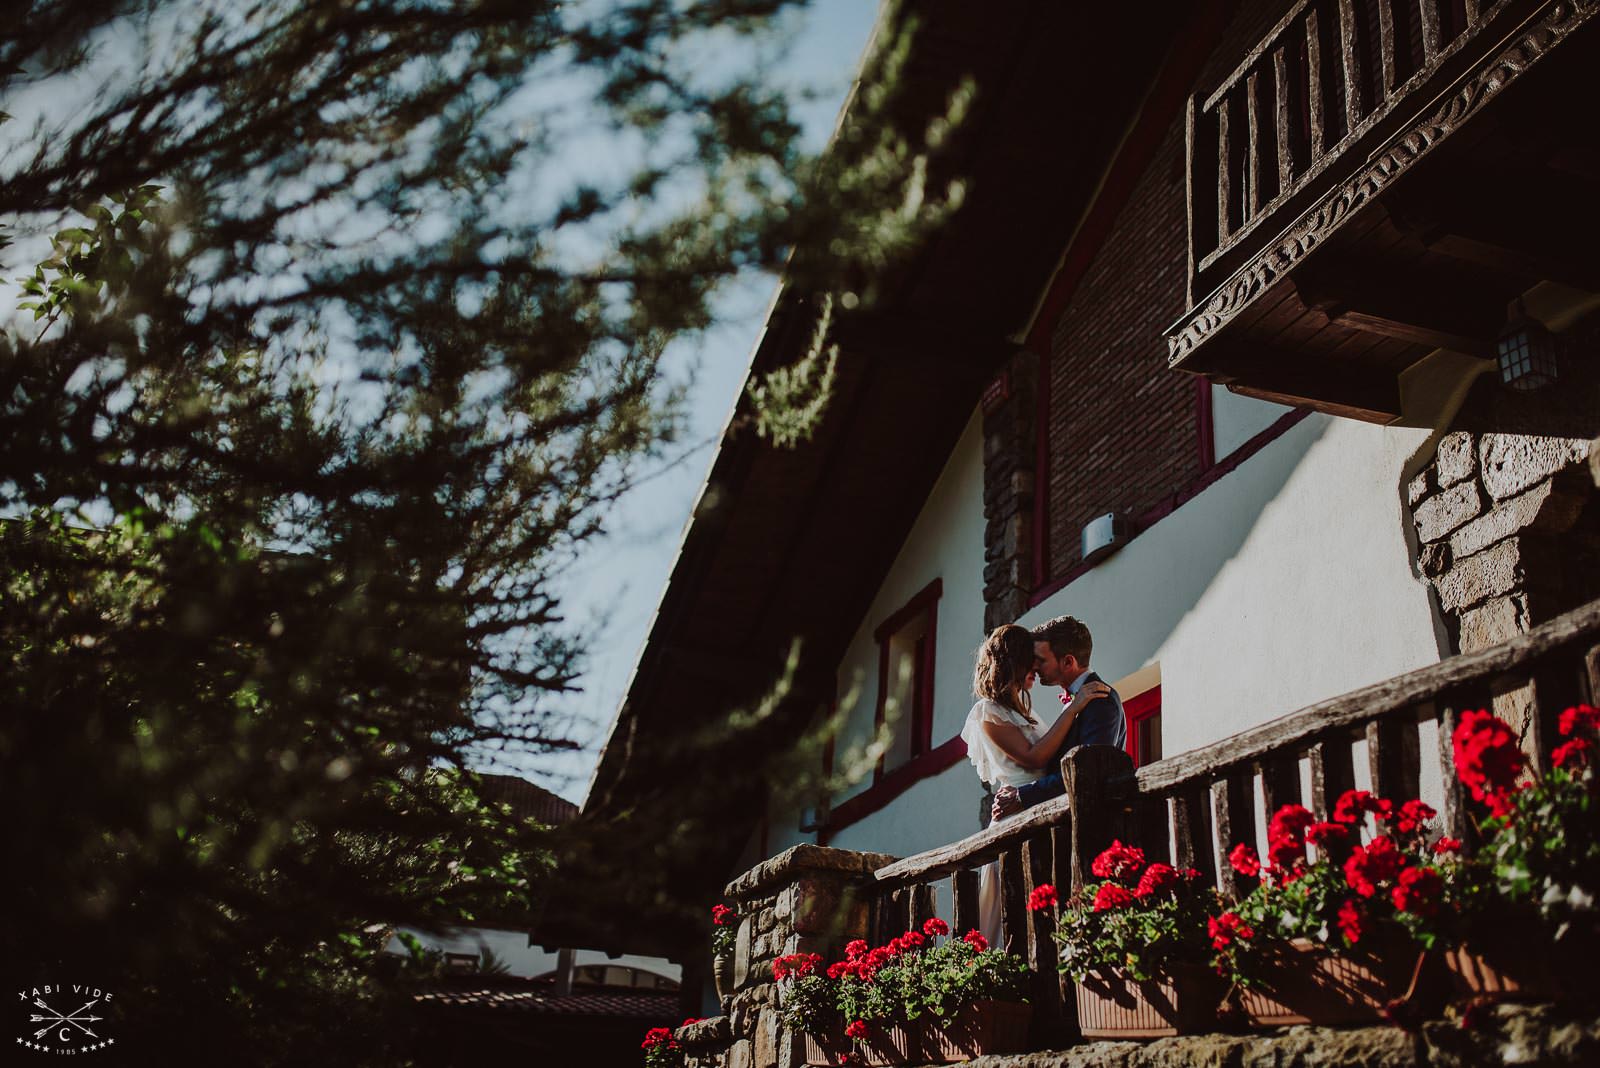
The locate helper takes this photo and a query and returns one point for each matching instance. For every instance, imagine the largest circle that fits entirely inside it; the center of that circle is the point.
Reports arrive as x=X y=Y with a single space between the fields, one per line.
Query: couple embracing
x=1018 y=757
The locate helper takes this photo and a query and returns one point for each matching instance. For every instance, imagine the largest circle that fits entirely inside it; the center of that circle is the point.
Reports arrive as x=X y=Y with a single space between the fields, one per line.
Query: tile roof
x=541 y=998
x=526 y=799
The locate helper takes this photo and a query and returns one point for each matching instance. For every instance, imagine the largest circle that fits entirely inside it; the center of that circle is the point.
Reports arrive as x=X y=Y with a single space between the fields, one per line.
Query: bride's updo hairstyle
x=1005 y=660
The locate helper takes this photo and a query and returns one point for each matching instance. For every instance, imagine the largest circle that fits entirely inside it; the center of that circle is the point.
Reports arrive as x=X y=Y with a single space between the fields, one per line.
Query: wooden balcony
x=1191 y=808
x=1379 y=179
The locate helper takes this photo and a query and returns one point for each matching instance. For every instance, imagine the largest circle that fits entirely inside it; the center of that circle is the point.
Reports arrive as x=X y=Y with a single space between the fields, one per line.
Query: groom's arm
x=1102 y=723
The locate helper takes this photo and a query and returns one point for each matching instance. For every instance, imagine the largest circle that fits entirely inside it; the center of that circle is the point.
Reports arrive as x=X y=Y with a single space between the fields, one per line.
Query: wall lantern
x=1526 y=352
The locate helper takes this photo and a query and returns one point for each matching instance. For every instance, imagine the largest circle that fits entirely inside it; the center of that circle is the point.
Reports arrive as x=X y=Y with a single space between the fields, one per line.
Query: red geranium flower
x=690 y=1020
x=975 y=939
x=1112 y=896
x=1118 y=862
x=1413 y=814
x=1574 y=751
x=1447 y=845
x=780 y=969
x=1157 y=878
x=1488 y=759
x=1245 y=861
x=655 y=1037
x=1368 y=866
x=1043 y=897
x=856 y=949
x=838 y=968
x=856 y=1029
x=1350 y=921
x=935 y=928
x=1193 y=873
x=1418 y=891
x=1227 y=928
x=1319 y=834
x=910 y=940
x=1353 y=804
x=1290 y=822
x=722 y=914
x=1580 y=717
x=1286 y=852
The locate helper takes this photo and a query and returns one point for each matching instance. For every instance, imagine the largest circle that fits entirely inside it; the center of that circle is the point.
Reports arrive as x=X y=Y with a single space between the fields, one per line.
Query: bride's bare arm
x=1035 y=755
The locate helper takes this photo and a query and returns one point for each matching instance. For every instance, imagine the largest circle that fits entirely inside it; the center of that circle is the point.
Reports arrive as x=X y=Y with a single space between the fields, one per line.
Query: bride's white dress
x=997 y=769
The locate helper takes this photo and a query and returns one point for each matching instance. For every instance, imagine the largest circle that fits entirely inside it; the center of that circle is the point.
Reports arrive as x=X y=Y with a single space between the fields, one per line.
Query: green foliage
x=955 y=974
x=336 y=359
x=1145 y=939
x=1543 y=856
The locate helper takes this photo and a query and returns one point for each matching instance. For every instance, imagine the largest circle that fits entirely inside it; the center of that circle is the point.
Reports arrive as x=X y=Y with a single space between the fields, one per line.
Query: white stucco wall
x=1235 y=420
x=1286 y=582
x=946 y=543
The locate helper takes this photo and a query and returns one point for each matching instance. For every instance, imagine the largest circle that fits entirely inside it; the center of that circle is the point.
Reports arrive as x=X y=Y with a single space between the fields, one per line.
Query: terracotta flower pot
x=1305 y=983
x=1118 y=1007
x=722 y=973
x=980 y=1028
x=883 y=1044
x=1507 y=969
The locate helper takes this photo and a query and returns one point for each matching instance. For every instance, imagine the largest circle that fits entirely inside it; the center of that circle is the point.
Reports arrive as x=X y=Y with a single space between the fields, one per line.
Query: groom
x=1061 y=650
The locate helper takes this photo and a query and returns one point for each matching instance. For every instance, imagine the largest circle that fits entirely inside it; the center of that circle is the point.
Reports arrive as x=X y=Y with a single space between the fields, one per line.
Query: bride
x=1005 y=741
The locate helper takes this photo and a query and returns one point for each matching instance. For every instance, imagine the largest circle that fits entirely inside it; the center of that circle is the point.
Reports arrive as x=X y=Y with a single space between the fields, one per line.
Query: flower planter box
x=1118 y=1007
x=1504 y=971
x=1306 y=984
x=884 y=1044
x=980 y=1028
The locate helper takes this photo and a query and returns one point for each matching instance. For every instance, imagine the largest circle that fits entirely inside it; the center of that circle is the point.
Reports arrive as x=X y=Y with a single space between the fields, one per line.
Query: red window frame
x=926 y=759
x=924 y=604
x=1136 y=710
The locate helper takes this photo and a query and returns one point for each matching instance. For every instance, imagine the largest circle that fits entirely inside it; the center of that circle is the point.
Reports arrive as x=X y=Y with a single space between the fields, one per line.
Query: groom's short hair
x=1066 y=635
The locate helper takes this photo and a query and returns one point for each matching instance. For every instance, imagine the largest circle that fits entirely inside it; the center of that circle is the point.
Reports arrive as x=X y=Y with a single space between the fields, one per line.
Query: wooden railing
x=1327 y=76
x=1192 y=808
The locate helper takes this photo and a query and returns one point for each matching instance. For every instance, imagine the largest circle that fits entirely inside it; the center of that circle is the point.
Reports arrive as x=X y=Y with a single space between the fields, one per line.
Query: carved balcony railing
x=1319 y=121
x=1190 y=809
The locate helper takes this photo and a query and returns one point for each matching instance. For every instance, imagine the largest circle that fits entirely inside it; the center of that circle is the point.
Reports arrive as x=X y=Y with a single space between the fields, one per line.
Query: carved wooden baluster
x=1392 y=753
x=1333 y=771
x=1353 y=92
x=1285 y=117
x=923 y=905
x=1255 y=165
x=1431 y=29
x=1234 y=799
x=1591 y=675
x=1386 y=48
x=1061 y=879
x=1558 y=684
x=1044 y=988
x=1316 y=114
x=1014 y=900
x=1152 y=828
x=1473 y=10
x=1224 y=173
x=1096 y=777
x=1457 y=815
x=1192 y=821
x=1202 y=147
x=1280 y=781
x=964 y=888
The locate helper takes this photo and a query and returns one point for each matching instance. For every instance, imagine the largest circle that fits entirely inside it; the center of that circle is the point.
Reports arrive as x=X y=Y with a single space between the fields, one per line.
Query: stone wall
x=804 y=900
x=1009 y=445
x=1542 y=1035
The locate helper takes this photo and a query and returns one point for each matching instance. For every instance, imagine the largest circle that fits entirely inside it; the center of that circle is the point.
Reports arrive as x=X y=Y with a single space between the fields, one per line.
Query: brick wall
x=1123 y=428
x=1124 y=433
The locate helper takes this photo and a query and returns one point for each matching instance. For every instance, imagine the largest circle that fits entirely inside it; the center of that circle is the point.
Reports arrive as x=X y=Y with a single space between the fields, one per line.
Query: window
x=1144 y=726
x=905 y=677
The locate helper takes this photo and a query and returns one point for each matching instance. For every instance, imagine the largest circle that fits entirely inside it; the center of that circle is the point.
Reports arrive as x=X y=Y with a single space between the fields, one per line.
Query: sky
x=613 y=591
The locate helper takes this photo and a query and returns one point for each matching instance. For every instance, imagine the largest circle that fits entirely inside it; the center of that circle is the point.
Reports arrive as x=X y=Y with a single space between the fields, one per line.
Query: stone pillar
x=1010 y=412
x=808 y=899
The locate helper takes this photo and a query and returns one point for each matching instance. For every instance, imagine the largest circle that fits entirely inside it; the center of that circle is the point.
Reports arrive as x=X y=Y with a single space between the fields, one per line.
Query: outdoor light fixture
x=1526 y=352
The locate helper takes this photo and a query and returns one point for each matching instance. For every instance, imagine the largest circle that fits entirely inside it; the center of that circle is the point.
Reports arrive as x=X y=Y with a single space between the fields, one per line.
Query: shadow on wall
x=1286 y=582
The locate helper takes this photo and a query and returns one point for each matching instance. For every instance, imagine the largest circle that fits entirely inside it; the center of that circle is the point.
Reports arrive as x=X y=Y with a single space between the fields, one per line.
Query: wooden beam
x=1350 y=391
x=1408 y=307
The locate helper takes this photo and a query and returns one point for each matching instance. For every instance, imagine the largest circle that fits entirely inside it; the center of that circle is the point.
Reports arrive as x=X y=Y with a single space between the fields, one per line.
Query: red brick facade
x=1122 y=433
x=1123 y=429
